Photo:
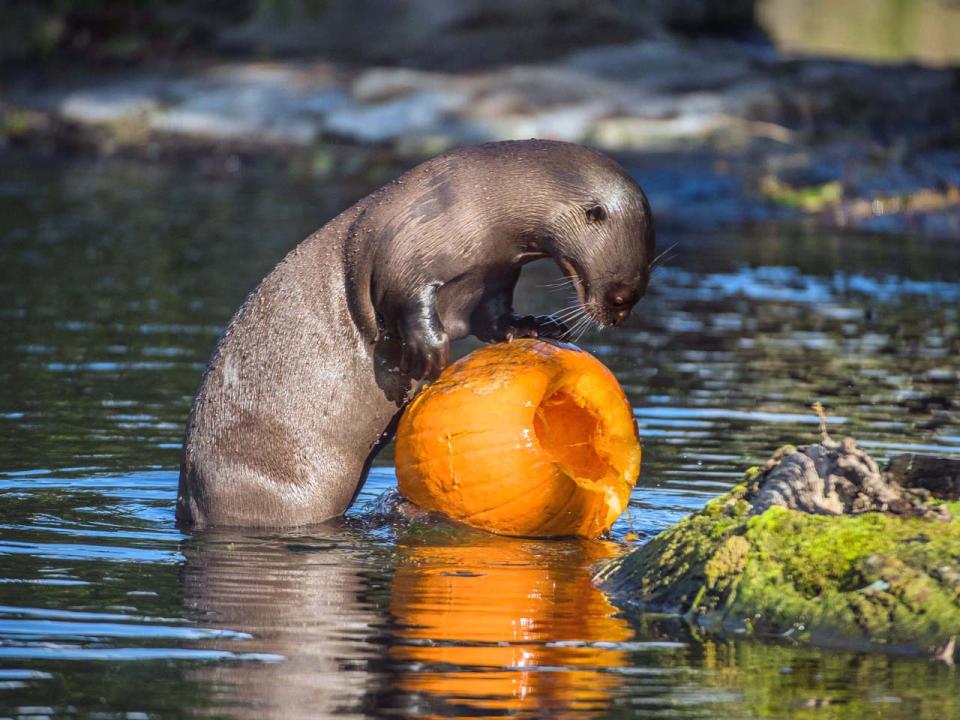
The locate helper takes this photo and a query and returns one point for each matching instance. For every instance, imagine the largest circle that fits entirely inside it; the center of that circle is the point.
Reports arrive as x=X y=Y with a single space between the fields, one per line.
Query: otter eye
x=596 y=213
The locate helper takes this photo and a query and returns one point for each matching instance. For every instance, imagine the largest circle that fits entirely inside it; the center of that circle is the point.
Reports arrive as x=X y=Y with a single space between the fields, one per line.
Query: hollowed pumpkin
x=524 y=438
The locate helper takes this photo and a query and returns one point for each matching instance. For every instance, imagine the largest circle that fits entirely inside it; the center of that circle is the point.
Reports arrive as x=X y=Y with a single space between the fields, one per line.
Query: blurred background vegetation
x=844 y=110
x=468 y=33
x=465 y=33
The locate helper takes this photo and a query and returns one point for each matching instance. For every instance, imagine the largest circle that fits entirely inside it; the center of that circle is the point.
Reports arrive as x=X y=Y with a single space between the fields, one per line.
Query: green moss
x=812 y=199
x=870 y=577
x=16 y=123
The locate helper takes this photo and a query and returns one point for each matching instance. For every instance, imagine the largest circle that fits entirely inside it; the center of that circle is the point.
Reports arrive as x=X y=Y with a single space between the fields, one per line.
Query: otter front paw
x=534 y=326
x=424 y=355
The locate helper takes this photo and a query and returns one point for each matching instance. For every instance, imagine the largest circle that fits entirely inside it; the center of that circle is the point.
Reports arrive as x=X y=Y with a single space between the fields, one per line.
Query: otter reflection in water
x=300 y=597
x=468 y=625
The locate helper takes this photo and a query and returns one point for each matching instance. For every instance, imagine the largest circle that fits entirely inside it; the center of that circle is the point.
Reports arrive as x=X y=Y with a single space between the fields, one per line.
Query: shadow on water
x=115 y=283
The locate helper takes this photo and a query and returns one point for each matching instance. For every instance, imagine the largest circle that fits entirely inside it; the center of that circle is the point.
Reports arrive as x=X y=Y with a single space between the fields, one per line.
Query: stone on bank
x=818 y=545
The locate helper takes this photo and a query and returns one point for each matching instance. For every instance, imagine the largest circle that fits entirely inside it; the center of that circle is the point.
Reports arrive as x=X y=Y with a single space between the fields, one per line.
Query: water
x=116 y=279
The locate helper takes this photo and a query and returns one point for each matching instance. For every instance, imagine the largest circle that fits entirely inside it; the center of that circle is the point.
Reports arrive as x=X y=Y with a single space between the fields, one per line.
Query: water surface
x=115 y=282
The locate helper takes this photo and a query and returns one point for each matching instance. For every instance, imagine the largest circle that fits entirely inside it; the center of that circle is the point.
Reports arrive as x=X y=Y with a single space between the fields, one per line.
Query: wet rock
x=637 y=133
x=571 y=122
x=834 y=478
x=414 y=114
x=665 y=64
x=819 y=545
x=112 y=103
x=380 y=84
x=938 y=476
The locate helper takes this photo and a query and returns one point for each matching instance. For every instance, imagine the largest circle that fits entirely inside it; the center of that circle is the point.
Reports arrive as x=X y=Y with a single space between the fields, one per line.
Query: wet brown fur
x=306 y=383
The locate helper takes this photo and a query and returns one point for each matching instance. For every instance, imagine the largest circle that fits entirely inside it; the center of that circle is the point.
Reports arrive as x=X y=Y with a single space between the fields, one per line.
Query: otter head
x=603 y=239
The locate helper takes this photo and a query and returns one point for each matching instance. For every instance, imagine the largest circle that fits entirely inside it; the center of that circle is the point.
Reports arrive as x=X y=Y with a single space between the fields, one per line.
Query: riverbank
x=718 y=132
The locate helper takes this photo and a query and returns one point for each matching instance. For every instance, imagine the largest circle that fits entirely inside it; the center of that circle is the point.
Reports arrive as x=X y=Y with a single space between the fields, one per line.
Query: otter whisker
x=566 y=281
x=569 y=319
x=575 y=322
x=583 y=330
x=654 y=269
x=570 y=280
x=578 y=335
x=569 y=331
x=571 y=312
x=573 y=307
x=571 y=315
x=578 y=328
x=662 y=257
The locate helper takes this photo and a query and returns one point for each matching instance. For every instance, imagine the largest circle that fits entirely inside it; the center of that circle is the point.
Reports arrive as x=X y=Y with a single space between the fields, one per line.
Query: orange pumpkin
x=524 y=438
x=481 y=621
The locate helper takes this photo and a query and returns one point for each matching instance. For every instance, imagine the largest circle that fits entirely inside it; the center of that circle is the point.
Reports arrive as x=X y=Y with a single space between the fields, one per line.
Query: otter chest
x=456 y=301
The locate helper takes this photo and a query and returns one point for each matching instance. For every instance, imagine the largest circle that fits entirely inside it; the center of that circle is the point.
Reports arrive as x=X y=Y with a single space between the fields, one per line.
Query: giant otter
x=306 y=384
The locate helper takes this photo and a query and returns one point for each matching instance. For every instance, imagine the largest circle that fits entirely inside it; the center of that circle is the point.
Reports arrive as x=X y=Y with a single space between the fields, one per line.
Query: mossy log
x=843 y=571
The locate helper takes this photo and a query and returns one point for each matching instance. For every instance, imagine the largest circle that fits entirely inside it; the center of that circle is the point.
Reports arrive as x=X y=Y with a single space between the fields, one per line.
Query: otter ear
x=596 y=213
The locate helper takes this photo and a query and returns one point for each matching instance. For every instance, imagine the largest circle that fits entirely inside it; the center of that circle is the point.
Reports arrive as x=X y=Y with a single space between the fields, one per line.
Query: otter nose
x=621 y=298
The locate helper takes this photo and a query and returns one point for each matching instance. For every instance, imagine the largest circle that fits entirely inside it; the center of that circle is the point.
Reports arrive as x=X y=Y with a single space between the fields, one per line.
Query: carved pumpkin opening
x=567 y=432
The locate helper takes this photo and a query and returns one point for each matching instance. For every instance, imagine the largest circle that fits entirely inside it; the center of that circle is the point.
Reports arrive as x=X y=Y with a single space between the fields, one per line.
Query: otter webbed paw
x=424 y=352
x=424 y=343
x=534 y=326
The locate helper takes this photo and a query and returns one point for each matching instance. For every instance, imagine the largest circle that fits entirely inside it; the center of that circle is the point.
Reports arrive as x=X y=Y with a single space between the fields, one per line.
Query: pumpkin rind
x=524 y=438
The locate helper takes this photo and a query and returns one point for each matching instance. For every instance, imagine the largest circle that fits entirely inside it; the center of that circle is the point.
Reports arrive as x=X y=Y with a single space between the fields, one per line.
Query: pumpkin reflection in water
x=524 y=612
x=526 y=438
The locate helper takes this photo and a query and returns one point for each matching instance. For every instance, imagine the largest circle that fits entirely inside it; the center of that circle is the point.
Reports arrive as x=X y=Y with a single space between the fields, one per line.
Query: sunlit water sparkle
x=115 y=283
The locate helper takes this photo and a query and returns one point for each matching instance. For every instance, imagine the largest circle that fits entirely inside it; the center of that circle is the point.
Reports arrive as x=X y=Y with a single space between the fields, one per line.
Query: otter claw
x=535 y=326
x=422 y=359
